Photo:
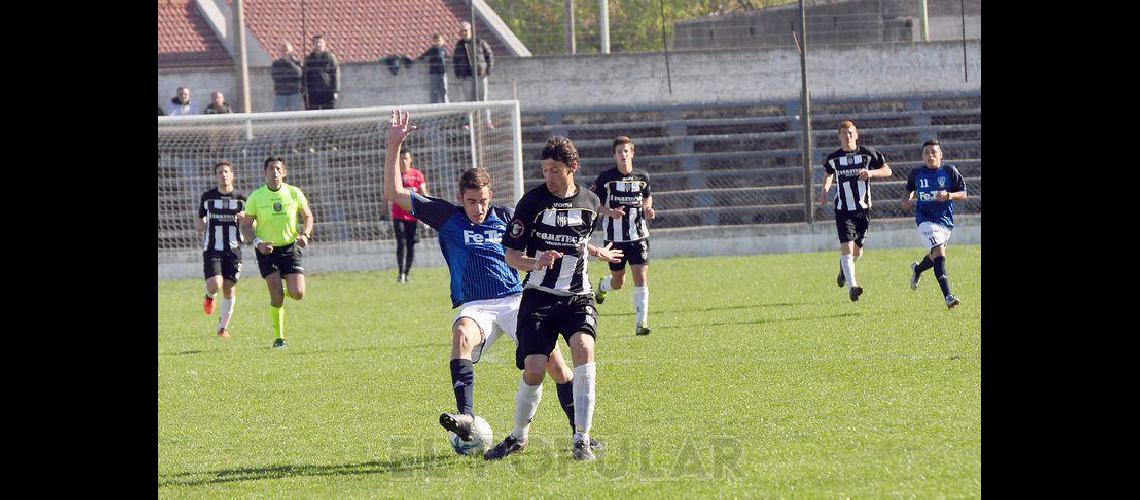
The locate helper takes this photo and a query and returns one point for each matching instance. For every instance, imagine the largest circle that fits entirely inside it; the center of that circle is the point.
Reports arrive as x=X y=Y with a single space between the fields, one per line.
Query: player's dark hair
x=223 y=162
x=847 y=124
x=932 y=142
x=560 y=149
x=621 y=139
x=474 y=178
x=406 y=151
x=272 y=159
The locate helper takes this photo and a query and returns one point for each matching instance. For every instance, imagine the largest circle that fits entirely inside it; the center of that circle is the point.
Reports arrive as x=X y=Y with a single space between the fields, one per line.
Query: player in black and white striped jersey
x=627 y=203
x=851 y=167
x=219 y=211
x=548 y=237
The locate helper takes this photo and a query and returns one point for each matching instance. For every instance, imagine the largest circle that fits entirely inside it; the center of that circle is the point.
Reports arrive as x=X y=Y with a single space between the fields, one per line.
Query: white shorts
x=494 y=317
x=933 y=234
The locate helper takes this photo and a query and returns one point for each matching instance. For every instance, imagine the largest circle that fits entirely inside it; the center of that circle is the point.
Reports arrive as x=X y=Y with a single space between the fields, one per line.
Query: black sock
x=463 y=382
x=940 y=273
x=566 y=397
x=924 y=264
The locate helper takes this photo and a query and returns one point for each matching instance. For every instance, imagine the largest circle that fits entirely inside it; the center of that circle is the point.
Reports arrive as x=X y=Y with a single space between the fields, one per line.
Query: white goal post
x=336 y=157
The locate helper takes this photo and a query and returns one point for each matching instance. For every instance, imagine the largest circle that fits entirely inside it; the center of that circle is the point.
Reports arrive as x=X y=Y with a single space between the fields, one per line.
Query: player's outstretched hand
x=864 y=174
x=608 y=254
x=265 y=248
x=650 y=213
x=824 y=199
x=398 y=128
x=546 y=260
x=908 y=203
x=942 y=196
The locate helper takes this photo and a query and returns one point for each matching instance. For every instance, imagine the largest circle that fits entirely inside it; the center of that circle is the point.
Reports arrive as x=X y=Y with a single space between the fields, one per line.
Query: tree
x=635 y=25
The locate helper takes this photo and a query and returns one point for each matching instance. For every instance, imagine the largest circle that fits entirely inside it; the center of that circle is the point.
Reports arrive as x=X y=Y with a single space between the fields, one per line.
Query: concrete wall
x=552 y=82
x=689 y=242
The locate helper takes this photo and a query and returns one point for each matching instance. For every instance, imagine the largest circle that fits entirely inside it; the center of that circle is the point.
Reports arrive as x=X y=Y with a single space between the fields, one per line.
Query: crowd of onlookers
x=315 y=83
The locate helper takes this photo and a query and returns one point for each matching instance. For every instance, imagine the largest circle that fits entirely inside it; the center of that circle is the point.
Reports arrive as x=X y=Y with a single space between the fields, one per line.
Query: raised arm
x=394 y=190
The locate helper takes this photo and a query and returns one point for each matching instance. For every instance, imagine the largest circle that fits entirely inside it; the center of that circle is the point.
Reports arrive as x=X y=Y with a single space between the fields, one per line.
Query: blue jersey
x=474 y=252
x=926 y=183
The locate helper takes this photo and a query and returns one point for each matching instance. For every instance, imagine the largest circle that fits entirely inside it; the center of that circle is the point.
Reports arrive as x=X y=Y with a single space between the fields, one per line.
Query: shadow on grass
x=704 y=309
x=758 y=322
x=389 y=466
x=183 y=353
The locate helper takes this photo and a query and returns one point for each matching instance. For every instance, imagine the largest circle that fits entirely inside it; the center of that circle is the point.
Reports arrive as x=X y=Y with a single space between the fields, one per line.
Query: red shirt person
x=404 y=222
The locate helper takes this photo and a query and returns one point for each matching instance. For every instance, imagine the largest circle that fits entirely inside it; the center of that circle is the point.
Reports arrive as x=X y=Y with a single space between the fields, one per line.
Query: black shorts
x=543 y=316
x=634 y=252
x=404 y=229
x=286 y=259
x=227 y=264
x=852 y=225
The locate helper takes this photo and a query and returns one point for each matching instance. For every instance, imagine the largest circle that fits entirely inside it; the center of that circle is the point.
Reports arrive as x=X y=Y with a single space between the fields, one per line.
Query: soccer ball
x=481 y=438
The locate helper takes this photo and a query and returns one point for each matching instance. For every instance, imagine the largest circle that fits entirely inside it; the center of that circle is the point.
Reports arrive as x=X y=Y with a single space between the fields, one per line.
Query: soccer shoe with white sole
x=208 y=305
x=600 y=296
x=279 y=344
x=582 y=450
x=840 y=280
x=855 y=292
x=914 y=276
x=951 y=302
x=508 y=446
x=459 y=423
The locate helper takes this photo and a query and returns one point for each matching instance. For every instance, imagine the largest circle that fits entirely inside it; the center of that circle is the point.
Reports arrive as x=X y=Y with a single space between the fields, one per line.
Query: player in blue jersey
x=486 y=290
x=932 y=190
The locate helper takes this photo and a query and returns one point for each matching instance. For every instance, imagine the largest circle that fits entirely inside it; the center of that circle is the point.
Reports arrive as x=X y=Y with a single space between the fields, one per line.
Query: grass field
x=760 y=379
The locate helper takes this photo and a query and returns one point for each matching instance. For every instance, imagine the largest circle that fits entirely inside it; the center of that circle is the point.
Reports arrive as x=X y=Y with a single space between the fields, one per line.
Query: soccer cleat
x=223 y=333
x=508 y=446
x=279 y=344
x=840 y=280
x=951 y=302
x=600 y=296
x=641 y=330
x=582 y=450
x=459 y=423
x=855 y=292
x=596 y=445
x=209 y=305
x=914 y=276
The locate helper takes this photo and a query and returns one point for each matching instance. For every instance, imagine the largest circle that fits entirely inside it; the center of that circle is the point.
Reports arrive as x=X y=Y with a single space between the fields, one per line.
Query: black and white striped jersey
x=616 y=189
x=220 y=210
x=850 y=192
x=544 y=222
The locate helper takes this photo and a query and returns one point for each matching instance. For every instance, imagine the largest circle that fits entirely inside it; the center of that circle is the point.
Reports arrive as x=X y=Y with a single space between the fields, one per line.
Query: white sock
x=583 y=400
x=526 y=404
x=208 y=294
x=848 y=265
x=641 y=304
x=605 y=286
x=227 y=311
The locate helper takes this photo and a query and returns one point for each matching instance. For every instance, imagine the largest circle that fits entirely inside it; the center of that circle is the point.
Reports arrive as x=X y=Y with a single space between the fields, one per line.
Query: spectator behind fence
x=322 y=76
x=218 y=104
x=287 y=73
x=436 y=56
x=181 y=104
x=462 y=60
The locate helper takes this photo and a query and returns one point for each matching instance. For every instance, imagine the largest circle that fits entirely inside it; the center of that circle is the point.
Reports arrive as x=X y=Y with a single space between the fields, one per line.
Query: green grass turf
x=760 y=378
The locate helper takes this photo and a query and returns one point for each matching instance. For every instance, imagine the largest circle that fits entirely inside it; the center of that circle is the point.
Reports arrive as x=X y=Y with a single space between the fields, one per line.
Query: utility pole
x=242 y=67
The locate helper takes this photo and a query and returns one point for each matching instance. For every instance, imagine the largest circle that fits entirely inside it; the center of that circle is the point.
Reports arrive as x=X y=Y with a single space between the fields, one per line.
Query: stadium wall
x=726 y=75
x=689 y=242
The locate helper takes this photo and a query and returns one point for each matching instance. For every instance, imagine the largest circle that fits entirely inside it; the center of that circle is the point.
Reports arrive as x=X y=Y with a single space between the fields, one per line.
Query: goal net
x=336 y=157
